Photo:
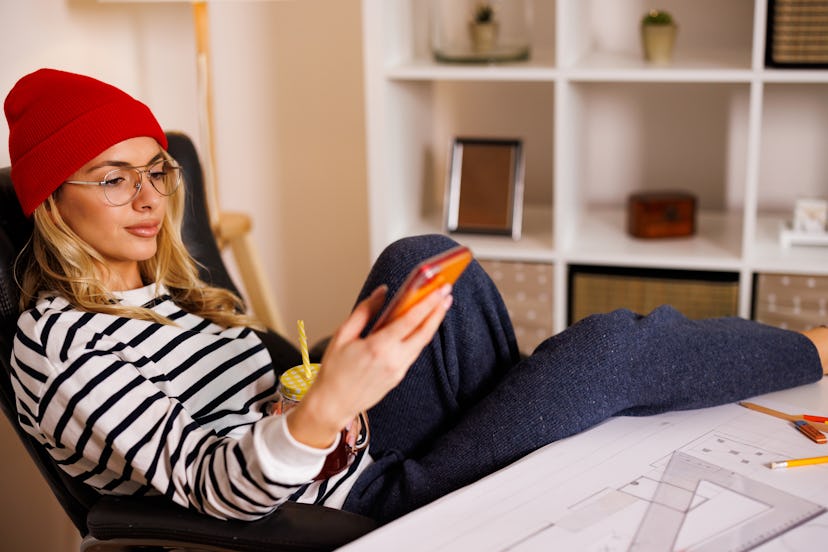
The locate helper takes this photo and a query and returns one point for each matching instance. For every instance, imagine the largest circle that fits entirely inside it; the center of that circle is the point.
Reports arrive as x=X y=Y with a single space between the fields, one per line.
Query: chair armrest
x=292 y=527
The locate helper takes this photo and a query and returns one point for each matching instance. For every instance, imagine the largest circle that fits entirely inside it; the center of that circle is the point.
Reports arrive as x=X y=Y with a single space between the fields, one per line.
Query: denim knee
x=413 y=249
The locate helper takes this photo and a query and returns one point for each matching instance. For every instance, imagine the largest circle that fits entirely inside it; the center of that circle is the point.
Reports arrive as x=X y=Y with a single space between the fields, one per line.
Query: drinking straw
x=303 y=347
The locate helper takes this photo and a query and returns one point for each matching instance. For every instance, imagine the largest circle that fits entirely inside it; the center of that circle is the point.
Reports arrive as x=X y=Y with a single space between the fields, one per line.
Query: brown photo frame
x=484 y=194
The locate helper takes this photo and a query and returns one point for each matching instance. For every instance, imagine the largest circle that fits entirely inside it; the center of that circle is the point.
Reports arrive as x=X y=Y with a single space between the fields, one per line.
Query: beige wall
x=295 y=78
x=290 y=148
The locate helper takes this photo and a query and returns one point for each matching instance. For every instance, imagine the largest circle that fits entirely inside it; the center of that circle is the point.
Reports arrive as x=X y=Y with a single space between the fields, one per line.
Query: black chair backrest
x=15 y=230
x=196 y=231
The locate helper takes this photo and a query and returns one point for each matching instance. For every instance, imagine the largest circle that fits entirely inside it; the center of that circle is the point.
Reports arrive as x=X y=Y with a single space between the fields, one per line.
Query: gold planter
x=658 y=42
x=483 y=36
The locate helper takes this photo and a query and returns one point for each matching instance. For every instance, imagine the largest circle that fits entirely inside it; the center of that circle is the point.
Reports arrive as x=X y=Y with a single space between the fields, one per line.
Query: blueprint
x=696 y=480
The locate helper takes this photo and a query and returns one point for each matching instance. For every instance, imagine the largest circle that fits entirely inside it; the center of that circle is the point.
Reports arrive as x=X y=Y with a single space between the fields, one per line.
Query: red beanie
x=60 y=121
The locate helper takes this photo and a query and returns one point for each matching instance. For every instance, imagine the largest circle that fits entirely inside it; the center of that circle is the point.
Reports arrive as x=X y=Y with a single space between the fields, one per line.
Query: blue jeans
x=470 y=405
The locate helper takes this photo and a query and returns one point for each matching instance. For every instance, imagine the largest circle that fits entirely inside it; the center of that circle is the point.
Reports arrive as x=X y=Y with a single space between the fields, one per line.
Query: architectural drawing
x=695 y=481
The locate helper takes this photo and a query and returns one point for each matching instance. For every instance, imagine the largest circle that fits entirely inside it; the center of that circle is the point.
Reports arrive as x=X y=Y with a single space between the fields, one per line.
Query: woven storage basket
x=797 y=34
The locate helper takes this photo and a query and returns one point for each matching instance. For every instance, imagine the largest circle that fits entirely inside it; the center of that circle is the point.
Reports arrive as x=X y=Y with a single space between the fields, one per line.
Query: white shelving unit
x=598 y=123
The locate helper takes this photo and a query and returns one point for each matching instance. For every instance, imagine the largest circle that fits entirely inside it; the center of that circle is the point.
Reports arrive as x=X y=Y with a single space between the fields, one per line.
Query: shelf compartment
x=417 y=161
x=656 y=137
x=408 y=53
x=606 y=33
x=793 y=154
x=601 y=238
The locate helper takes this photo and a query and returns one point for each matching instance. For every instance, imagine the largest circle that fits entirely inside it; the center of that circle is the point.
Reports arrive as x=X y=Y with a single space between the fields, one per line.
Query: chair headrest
x=15 y=231
x=13 y=222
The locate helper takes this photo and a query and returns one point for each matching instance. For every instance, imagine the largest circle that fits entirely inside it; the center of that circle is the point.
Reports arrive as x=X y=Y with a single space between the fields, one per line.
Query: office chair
x=111 y=523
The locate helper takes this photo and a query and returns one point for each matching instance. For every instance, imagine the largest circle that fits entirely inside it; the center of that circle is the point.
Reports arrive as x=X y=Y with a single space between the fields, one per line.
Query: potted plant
x=483 y=27
x=658 y=36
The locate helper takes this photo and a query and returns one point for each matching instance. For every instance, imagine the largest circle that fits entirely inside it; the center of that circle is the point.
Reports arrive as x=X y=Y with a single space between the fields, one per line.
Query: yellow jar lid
x=296 y=381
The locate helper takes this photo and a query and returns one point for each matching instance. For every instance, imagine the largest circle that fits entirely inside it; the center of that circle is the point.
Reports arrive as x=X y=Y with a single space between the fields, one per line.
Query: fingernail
x=448 y=301
x=445 y=290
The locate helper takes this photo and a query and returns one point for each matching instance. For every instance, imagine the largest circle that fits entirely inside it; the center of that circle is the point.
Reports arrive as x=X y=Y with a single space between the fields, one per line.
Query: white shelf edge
x=794 y=76
x=628 y=70
x=430 y=70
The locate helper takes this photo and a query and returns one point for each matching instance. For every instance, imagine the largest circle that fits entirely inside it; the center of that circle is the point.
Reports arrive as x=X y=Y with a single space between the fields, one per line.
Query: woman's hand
x=356 y=373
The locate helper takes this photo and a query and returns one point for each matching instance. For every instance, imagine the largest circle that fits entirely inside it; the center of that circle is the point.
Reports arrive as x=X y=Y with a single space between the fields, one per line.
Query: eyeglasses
x=122 y=185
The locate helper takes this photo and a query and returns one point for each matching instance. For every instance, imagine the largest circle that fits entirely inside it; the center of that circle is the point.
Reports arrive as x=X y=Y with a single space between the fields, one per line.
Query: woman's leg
x=472 y=349
x=613 y=364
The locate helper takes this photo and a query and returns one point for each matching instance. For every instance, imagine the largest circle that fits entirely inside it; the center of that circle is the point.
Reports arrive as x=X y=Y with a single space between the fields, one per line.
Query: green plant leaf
x=657 y=17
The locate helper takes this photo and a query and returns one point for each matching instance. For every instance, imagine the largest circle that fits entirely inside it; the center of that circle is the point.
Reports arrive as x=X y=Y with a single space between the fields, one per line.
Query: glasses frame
x=141 y=170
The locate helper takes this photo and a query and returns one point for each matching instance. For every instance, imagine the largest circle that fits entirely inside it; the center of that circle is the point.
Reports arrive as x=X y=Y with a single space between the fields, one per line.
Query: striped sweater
x=136 y=407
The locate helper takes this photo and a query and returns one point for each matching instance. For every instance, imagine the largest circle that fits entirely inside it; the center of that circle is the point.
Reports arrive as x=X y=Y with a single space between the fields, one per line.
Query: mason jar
x=293 y=385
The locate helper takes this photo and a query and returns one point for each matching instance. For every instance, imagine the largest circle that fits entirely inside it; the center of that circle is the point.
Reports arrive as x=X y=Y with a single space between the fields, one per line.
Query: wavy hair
x=57 y=260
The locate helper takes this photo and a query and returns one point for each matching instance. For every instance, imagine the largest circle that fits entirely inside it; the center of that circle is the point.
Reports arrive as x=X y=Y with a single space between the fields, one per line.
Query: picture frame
x=484 y=193
x=811 y=215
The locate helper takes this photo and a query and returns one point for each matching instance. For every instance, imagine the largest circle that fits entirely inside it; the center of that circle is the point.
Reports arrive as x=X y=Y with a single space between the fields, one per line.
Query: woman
x=140 y=379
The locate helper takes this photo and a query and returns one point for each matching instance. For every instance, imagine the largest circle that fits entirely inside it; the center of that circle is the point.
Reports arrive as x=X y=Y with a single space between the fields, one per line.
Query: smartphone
x=427 y=276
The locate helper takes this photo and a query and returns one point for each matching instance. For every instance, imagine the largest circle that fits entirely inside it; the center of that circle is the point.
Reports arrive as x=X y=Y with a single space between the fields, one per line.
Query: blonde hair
x=58 y=260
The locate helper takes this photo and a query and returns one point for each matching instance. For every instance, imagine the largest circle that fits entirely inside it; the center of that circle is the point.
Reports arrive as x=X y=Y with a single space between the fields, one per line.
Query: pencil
x=799 y=462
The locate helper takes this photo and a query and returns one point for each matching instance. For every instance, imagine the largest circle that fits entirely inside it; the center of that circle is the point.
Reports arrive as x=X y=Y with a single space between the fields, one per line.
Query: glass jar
x=293 y=384
x=476 y=31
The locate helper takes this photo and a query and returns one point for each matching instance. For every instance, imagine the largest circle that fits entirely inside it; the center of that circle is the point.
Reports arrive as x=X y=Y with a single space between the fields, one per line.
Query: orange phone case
x=427 y=276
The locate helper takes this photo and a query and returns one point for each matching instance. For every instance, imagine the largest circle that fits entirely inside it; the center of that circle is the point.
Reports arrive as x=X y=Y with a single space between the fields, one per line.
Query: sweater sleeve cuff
x=284 y=458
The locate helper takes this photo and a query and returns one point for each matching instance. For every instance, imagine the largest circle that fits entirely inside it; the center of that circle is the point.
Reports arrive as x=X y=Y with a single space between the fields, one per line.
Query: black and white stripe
x=132 y=406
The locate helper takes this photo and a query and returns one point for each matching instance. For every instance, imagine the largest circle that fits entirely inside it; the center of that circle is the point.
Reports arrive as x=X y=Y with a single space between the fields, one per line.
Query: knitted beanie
x=60 y=121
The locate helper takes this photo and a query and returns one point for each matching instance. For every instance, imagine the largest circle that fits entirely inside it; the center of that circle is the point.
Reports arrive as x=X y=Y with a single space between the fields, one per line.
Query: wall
x=290 y=150
x=306 y=169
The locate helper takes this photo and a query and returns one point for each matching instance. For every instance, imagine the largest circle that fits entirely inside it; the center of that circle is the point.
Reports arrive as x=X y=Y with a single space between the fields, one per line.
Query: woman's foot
x=819 y=337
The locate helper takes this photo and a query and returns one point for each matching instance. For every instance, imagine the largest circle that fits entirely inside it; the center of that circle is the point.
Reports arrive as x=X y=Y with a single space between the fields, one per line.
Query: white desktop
x=694 y=480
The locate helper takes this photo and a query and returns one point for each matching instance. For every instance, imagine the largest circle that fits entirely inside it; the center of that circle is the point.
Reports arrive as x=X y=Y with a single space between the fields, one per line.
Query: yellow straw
x=303 y=347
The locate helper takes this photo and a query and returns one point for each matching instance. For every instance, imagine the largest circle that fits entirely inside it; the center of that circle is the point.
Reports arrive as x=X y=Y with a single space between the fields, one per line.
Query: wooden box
x=661 y=214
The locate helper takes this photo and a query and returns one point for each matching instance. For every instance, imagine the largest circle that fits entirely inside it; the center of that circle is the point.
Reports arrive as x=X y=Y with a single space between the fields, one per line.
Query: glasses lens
x=164 y=177
x=121 y=185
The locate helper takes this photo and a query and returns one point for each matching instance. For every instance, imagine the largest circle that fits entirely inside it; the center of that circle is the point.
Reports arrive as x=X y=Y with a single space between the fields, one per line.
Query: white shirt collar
x=140 y=296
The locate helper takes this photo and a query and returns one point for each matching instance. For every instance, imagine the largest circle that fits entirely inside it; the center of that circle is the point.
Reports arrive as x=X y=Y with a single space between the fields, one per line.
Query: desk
x=593 y=491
